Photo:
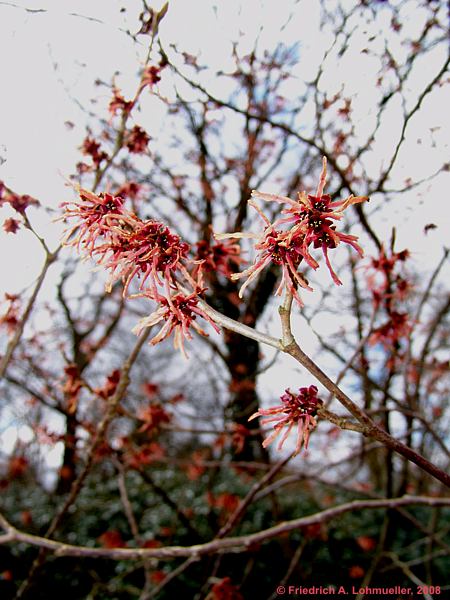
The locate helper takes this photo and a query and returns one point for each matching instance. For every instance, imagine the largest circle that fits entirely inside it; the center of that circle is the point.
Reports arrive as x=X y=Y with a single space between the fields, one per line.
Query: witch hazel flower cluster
x=146 y=252
x=297 y=410
x=308 y=222
x=390 y=289
x=173 y=274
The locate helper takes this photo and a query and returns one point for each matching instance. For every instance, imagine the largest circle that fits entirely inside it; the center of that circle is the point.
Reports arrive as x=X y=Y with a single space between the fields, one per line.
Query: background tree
x=158 y=453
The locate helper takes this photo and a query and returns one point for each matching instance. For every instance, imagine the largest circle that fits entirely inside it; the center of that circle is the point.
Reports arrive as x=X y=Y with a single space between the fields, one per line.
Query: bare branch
x=226 y=545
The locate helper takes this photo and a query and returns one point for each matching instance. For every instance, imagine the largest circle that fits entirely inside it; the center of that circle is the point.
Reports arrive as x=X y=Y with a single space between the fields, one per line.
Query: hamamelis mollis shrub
x=169 y=272
x=166 y=454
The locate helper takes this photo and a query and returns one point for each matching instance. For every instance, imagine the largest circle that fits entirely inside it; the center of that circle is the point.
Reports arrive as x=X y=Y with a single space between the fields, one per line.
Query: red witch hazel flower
x=90 y=213
x=119 y=104
x=130 y=189
x=10 y=319
x=397 y=327
x=150 y=76
x=310 y=220
x=153 y=417
x=272 y=248
x=11 y=225
x=385 y=283
x=18 y=202
x=91 y=148
x=124 y=244
x=137 y=140
x=179 y=311
x=219 y=257
x=390 y=288
x=224 y=590
x=296 y=409
x=129 y=247
x=144 y=249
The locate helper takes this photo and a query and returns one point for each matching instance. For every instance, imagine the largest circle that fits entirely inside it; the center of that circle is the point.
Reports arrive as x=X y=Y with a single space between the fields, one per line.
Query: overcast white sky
x=50 y=60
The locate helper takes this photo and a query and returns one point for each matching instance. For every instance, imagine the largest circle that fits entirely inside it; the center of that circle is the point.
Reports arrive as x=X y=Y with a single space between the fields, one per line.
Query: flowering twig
x=135 y=248
x=308 y=222
x=371 y=429
x=295 y=409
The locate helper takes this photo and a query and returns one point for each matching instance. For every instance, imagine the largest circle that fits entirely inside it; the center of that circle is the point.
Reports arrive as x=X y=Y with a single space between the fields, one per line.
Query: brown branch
x=98 y=438
x=127 y=508
x=371 y=429
x=408 y=117
x=161 y=492
x=232 y=544
x=49 y=259
x=292 y=565
x=237 y=514
x=340 y=421
x=407 y=571
x=147 y=595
